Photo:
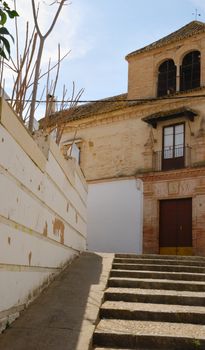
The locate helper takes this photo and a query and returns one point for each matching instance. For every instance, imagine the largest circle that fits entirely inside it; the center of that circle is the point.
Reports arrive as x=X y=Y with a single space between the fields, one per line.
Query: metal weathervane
x=196 y=14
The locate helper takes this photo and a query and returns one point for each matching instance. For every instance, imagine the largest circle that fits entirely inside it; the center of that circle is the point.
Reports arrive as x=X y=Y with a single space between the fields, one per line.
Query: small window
x=190 y=71
x=166 y=78
x=74 y=151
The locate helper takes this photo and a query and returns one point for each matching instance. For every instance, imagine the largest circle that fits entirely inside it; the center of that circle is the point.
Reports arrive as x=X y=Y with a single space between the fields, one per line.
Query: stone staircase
x=153 y=302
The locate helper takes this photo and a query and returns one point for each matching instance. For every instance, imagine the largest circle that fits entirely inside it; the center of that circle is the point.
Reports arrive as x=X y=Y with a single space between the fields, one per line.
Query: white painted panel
x=27 y=173
x=115 y=216
x=75 y=241
x=54 y=171
x=80 y=187
x=21 y=207
x=22 y=248
x=11 y=122
x=15 y=286
x=18 y=163
x=62 y=206
x=26 y=210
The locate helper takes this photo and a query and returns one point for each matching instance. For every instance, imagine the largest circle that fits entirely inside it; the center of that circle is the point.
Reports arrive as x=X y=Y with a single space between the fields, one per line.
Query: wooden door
x=175 y=227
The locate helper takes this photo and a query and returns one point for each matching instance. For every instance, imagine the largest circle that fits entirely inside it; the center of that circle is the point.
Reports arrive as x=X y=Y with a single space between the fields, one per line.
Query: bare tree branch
x=35 y=16
x=27 y=73
x=53 y=67
x=39 y=56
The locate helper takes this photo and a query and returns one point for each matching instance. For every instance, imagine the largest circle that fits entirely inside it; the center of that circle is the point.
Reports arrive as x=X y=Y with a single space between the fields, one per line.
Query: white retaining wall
x=42 y=213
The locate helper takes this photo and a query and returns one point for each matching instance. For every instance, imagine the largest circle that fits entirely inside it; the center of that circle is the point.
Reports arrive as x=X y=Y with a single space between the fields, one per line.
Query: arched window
x=166 y=78
x=190 y=71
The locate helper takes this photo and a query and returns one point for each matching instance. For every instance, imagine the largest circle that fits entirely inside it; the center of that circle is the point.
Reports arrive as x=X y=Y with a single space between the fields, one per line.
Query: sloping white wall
x=43 y=219
x=115 y=216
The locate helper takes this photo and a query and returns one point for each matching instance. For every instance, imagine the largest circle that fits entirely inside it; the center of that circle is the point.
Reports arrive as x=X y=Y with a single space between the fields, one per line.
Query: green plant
x=196 y=343
x=5 y=12
x=7 y=324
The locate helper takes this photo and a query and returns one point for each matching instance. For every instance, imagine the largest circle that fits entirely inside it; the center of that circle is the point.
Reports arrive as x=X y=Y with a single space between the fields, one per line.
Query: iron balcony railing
x=172 y=158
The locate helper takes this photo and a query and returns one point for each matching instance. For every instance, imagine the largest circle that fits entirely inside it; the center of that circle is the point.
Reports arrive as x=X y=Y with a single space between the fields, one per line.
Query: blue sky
x=116 y=27
x=101 y=32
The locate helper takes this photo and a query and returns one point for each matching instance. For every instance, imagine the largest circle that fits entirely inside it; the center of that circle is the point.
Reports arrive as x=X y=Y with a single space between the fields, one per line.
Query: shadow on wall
x=54 y=320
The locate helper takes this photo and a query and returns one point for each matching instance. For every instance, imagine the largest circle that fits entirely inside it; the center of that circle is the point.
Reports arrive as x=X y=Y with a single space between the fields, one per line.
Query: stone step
x=147 y=334
x=149 y=267
x=155 y=296
x=152 y=312
x=123 y=282
x=117 y=349
x=120 y=349
x=158 y=275
x=159 y=262
x=161 y=257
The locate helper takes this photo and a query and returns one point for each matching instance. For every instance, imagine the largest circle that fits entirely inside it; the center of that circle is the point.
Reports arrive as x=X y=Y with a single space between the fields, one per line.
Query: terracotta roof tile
x=107 y=105
x=190 y=29
x=87 y=110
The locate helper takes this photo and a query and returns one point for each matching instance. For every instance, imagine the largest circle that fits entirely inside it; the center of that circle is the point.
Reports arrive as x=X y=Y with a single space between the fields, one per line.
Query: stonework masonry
x=125 y=138
x=189 y=183
x=143 y=68
x=116 y=145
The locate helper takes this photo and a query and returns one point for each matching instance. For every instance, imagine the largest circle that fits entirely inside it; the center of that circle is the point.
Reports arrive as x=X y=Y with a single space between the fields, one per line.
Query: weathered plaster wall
x=115 y=216
x=42 y=213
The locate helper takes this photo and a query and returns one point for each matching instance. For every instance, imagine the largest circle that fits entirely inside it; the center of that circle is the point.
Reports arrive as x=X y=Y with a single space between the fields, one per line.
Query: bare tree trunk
x=35 y=85
x=39 y=56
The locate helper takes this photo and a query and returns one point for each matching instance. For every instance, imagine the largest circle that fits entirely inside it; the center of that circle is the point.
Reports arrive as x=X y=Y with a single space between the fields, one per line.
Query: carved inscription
x=173 y=187
x=187 y=187
x=160 y=189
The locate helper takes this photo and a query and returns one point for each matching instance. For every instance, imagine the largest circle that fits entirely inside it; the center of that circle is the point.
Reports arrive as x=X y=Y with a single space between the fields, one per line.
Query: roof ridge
x=111 y=97
x=189 y=29
x=105 y=98
x=88 y=104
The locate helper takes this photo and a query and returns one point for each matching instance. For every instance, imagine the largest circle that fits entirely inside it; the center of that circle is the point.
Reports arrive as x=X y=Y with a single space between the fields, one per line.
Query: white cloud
x=66 y=31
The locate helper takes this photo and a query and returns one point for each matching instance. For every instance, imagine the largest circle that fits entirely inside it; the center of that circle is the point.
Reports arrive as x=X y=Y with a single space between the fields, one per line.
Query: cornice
x=135 y=111
x=172 y=175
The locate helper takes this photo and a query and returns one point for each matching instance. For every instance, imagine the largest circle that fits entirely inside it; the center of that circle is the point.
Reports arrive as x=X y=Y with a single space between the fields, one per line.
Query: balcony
x=172 y=158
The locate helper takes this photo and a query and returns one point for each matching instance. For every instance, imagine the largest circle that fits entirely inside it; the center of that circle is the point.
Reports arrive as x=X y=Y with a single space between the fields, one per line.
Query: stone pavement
x=64 y=316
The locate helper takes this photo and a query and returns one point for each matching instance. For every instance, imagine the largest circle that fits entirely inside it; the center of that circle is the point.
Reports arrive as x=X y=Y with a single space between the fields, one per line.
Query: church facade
x=153 y=136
